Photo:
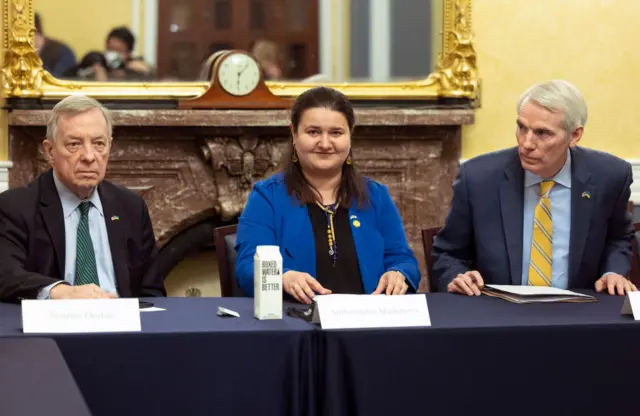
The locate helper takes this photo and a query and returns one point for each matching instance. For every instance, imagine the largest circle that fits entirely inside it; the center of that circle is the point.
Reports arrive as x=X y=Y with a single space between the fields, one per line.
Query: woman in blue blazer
x=338 y=232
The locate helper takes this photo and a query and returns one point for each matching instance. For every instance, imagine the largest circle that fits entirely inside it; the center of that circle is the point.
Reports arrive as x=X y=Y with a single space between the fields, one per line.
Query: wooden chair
x=428 y=234
x=225 y=240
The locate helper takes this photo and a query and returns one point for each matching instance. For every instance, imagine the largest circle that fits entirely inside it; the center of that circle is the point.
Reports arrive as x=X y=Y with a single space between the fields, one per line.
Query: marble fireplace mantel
x=194 y=165
x=378 y=116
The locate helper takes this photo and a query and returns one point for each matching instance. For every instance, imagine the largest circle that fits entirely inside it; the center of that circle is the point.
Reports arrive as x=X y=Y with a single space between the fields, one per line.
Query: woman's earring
x=294 y=158
x=348 y=161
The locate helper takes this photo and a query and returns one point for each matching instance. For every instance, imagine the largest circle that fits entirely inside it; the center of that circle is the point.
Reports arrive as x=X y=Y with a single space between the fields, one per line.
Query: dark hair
x=124 y=34
x=38 y=24
x=352 y=185
x=91 y=58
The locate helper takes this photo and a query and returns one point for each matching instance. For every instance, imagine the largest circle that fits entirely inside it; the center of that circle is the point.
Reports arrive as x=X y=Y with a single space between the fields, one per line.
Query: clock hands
x=240 y=74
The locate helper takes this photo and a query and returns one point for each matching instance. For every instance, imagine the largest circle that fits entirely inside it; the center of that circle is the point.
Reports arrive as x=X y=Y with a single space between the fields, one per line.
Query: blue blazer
x=273 y=217
x=483 y=230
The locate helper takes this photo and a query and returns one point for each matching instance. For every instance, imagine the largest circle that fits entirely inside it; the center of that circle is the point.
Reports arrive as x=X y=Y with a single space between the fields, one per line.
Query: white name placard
x=371 y=311
x=80 y=316
x=631 y=305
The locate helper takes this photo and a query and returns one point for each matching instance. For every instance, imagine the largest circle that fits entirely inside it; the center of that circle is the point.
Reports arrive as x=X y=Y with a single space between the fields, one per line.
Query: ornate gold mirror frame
x=22 y=75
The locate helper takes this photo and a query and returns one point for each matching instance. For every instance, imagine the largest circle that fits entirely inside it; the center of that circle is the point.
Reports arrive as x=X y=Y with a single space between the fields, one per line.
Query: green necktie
x=86 y=270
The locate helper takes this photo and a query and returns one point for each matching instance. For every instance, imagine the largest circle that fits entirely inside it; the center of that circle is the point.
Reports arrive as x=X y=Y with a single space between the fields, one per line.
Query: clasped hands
x=90 y=291
x=304 y=288
x=471 y=284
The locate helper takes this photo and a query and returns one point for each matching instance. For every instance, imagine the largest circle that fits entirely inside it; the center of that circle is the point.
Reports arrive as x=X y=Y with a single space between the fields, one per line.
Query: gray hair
x=558 y=96
x=75 y=104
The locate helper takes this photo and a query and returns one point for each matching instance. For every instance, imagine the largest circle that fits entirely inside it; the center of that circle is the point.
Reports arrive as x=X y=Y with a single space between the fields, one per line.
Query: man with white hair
x=544 y=213
x=70 y=234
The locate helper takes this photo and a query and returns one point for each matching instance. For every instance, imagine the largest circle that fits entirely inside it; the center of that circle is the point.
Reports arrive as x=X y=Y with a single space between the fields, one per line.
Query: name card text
x=371 y=311
x=80 y=316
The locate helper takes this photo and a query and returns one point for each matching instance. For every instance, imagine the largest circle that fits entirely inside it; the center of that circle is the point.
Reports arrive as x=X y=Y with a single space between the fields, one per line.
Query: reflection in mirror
x=293 y=40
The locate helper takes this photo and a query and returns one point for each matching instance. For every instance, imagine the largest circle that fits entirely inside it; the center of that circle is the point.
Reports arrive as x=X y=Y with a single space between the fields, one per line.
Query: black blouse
x=344 y=276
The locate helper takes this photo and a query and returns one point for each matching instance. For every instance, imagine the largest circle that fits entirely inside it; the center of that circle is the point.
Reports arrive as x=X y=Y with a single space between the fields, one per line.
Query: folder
x=535 y=294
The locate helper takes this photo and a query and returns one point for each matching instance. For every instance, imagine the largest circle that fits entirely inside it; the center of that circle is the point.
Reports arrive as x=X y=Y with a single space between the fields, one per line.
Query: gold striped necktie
x=541 y=261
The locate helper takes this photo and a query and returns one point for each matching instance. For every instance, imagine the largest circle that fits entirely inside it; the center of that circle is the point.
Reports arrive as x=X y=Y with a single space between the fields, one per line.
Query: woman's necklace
x=330 y=212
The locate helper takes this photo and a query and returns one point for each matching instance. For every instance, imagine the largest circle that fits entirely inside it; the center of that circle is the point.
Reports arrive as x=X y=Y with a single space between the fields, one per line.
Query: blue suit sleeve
x=453 y=249
x=617 y=255
x=398 y=256
x=256 y=226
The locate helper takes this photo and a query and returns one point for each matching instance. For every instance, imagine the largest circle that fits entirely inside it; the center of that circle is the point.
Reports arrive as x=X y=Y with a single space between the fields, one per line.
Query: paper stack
x=535 y=294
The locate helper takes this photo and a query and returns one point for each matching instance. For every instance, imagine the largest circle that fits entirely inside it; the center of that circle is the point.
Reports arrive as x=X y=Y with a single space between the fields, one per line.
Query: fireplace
x=195 y=168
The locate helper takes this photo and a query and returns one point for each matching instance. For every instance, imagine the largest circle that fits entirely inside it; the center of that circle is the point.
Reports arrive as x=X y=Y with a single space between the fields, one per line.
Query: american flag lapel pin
x=586 y=195
x=115 y=218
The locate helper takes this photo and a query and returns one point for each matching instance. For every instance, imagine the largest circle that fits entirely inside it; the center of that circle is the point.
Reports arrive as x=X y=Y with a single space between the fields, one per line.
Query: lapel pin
x=115 y=218
x=353 y=217
x=586 y=195
x=356 y=223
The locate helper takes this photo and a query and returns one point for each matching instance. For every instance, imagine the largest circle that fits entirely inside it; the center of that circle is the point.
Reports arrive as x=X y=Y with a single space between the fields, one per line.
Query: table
x=38 y=386
x=481 y=356
x=484 y=355
x=188 y=361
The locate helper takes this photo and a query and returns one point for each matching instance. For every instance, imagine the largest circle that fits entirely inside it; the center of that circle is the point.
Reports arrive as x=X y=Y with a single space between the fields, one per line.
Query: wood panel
x=191 y=30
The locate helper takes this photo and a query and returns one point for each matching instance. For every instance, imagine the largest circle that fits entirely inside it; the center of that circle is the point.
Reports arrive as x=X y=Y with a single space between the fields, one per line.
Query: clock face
x=239 y=74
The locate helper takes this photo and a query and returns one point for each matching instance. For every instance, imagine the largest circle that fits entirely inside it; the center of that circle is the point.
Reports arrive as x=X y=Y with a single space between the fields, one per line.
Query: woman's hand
x=302 y=286
x=392 y=283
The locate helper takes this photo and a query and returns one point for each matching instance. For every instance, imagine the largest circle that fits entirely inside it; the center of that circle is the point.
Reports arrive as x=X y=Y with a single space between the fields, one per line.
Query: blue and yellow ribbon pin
x=355 y=221
x=586 y=195
x=115 y=218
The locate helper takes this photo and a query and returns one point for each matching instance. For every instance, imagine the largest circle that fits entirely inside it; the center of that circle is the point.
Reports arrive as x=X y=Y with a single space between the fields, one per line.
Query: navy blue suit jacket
x=272 y=217
x=483 y=230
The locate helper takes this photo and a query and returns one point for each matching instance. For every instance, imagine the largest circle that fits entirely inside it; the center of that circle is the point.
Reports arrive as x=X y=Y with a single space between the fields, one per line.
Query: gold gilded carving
x=22 y=68
x=457 y=72
x=193 y=292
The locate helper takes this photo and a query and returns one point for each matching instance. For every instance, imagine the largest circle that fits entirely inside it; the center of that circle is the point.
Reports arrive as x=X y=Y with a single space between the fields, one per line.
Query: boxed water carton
x=267 y=282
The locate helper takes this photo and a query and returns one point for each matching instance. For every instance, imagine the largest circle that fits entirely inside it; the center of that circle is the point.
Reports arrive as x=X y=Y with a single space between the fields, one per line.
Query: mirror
x=294 y=40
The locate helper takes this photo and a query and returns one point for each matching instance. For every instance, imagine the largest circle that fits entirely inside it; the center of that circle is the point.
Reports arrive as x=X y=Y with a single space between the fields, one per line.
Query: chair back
x=225 y=240
x=428 y=235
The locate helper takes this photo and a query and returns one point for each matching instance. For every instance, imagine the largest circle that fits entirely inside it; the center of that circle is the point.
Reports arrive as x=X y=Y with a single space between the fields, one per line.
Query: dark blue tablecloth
x=481 y=356
x=189 y=361
x=487 y=356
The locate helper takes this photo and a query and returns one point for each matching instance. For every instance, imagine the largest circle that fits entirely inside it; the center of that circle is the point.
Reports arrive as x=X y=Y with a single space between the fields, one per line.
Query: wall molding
x=150 y=30
x=4 y=175
x=635 y=186
x=136 y=12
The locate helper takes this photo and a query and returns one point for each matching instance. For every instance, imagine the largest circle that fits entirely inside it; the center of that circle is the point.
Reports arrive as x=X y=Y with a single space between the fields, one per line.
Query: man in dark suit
x=545 y=213
x=70 y=234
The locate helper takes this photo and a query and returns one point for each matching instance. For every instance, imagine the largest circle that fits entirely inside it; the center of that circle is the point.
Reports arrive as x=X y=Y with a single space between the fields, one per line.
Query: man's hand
x=613 y=283
x=302 y=286
x=64 y=291
x=138 y=65
x=392 y=283
x=470 y=284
